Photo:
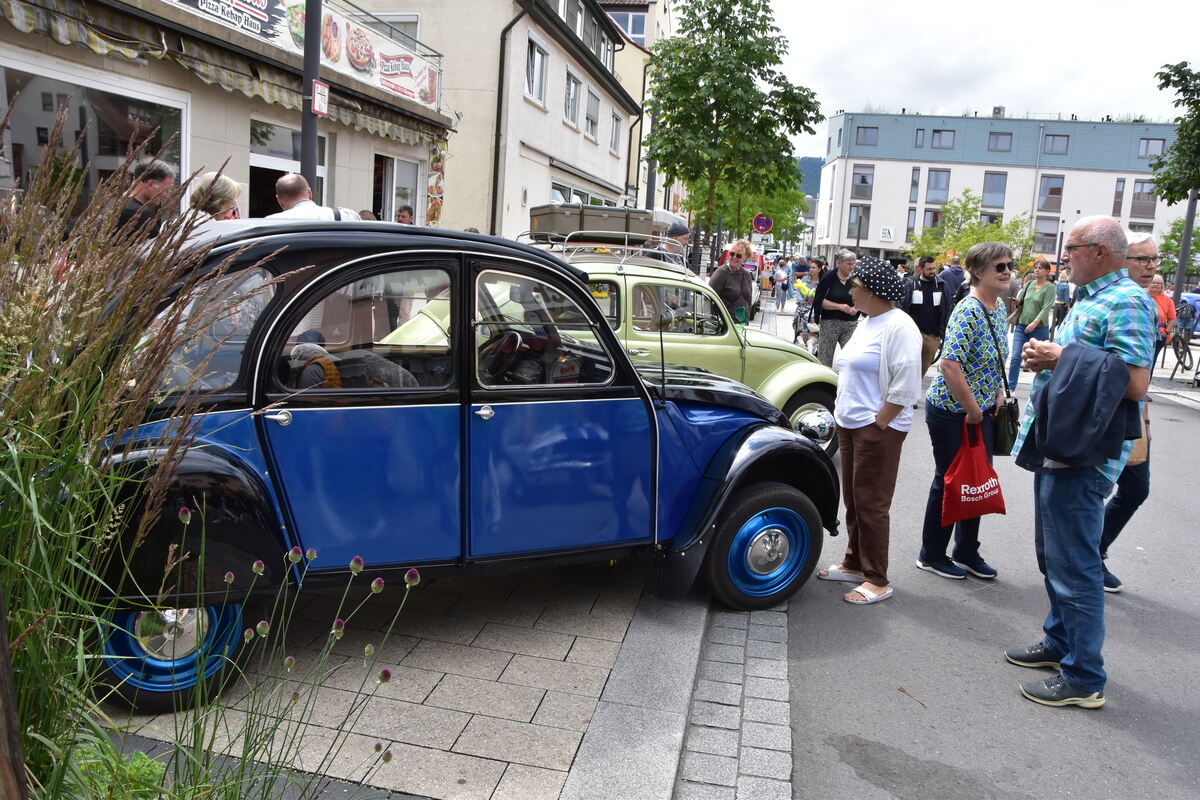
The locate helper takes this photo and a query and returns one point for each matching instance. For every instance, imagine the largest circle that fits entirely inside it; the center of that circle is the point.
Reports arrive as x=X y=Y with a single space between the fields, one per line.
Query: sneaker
x=1057 y=692
x=977 y=567
x=944 y=567
x=1111 y=582
x=1036 y=655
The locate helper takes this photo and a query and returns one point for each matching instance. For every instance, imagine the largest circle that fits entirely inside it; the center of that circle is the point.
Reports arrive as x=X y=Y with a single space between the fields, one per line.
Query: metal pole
x=312 y=72
x=1185 y=246
x=651 y=170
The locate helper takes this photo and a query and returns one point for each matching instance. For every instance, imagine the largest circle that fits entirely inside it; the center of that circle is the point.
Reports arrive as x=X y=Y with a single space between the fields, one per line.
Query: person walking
x=1111 y=323
x=967 y=387
x=1032 y=316
x=805 y=286
x=834 y=308
x=733 y=282
x=781 y=285
x=878 y=384
x=928 y=302
x=1165 y=309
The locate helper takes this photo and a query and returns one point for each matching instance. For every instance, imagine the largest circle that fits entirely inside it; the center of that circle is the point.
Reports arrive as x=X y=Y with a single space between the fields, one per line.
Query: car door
x=561 y=434
x=696 y=330
x=363 y=425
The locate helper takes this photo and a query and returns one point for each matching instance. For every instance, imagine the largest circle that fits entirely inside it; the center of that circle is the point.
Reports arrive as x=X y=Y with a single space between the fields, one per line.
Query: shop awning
x=100 y=29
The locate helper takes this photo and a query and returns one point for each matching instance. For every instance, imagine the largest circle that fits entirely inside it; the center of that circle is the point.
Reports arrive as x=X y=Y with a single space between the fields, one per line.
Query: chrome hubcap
x=767 y=551
x=170 y=634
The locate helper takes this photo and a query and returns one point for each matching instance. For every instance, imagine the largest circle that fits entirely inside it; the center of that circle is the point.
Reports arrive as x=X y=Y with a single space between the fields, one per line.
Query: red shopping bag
x=970 y=487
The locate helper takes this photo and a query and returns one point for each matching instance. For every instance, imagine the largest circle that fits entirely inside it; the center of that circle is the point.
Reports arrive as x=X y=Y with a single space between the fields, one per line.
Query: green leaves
x=1177 y=171
x=961 y=227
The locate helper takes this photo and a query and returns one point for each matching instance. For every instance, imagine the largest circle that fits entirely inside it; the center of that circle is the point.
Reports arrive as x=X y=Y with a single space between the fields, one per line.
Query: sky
x=1035 y=57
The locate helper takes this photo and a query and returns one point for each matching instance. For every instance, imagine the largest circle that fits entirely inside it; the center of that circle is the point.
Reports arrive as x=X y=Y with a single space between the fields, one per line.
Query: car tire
x=765 y=547
x=156 y=683
x=808 y=399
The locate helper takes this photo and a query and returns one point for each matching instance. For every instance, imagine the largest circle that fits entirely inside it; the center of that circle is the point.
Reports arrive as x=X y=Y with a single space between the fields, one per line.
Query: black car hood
x=696 y=385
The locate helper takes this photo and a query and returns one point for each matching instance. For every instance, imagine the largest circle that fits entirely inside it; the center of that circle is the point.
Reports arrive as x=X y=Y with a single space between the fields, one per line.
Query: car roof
x=639 y=266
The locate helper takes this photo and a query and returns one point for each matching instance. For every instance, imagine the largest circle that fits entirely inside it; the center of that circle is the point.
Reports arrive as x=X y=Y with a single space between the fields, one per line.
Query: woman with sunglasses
x=1032 y=316
x=733 y=283
x=879 y=382
x=216 y=195
x=968 y=384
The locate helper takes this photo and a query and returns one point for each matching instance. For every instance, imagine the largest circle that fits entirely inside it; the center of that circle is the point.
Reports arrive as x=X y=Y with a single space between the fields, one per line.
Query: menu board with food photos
x=348 y=44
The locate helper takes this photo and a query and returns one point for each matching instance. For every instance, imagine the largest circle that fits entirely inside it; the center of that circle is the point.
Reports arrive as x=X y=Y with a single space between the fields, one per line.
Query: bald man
x=294 y=196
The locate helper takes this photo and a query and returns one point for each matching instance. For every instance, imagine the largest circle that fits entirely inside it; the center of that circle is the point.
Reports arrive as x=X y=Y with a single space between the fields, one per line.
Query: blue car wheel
x=157 y=659
x=766 y=546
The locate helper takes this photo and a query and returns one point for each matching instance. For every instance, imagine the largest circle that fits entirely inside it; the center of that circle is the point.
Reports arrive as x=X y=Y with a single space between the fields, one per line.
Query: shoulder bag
x=1016 y=312
x=1008 y=416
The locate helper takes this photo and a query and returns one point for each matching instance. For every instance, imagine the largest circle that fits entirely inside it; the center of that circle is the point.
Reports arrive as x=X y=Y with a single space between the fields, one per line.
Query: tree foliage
x=1171 y=245
x=737 y=205
x=961 y=227
x=723 y=111
x=1177 y=171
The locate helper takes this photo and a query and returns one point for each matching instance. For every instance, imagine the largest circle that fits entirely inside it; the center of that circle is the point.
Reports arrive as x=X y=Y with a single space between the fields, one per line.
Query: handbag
x=1016 y=312
x=1007 y=419
x=970 y=487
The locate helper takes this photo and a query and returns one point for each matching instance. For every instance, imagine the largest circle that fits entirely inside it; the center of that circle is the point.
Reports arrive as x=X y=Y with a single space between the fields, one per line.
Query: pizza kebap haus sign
x=346 y=46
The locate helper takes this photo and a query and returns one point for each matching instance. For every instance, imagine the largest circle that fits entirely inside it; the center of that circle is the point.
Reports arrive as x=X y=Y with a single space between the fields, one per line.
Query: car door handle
x=638 y=351
x=485 y=412
x=282 y=417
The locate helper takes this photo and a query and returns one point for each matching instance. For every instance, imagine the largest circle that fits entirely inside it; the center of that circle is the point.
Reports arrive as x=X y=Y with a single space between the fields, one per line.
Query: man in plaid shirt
x=1111 y=313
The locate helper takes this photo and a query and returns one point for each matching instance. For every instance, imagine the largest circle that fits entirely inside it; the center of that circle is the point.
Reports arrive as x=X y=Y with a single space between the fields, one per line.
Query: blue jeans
x=1133 y=487
x=1068 y=518
x=1020 y=337
x=945 y=433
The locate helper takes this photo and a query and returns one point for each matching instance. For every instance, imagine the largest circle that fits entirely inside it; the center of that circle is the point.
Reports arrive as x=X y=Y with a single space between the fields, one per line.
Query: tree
x=723 y=111
x=738 y=205
x=961 y=227
x=1170 y=249
x=1177 y=171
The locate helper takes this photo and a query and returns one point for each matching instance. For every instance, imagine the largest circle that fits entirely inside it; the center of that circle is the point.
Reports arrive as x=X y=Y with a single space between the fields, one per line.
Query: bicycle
x=1185 y=326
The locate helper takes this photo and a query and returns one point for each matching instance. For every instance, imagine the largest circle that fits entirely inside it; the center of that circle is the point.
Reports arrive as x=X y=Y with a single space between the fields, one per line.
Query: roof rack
x=624 y=246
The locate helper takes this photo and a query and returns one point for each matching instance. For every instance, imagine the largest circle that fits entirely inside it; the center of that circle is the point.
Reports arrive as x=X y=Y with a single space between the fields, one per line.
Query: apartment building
x=887 y=176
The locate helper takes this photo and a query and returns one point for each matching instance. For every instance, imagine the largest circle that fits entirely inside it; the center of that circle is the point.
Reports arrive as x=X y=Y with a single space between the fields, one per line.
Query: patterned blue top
x=969 y=342
x=1111 y=313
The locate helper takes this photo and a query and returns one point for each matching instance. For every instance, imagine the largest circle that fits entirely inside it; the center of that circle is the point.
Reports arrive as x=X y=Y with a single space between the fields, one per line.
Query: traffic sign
x=762 y=238
x=763 y=223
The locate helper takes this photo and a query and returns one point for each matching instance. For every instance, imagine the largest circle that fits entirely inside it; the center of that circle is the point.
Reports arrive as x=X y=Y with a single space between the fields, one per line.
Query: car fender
x=232 y=525
x=784 y=382
x=759 y=453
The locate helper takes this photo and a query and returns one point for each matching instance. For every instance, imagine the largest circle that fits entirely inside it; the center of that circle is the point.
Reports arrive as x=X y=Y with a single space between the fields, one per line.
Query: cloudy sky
x=939 y=57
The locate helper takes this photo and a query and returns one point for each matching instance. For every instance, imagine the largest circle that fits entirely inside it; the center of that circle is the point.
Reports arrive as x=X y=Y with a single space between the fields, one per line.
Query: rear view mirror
x=739 y=315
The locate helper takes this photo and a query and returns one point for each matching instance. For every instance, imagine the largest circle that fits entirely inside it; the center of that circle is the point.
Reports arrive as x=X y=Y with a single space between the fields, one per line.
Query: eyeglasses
x=1003 y=266
x=1145 y=261
x=1071 y=248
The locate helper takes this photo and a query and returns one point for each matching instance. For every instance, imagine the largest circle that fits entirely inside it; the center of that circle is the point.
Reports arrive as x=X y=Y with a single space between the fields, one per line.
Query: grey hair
x=981 y=256
x=1106 y=231
x=212 y=192
x=844 y=255
x=153 y=170
x=1132 y=238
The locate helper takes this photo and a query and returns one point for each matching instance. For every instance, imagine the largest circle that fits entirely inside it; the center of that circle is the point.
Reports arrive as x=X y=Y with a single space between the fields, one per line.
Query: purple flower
x=294 y=555
x=310 y=553
x=339 y=627
x=369 y=650
x=258 y=567
x=412 y=577
x=356 y=565
x=185 y=515
x=289 y=663
x=385 y=675
x=387 y=756
x=295 y=696
x=379 y=747
x=248 y=635
x=263 y=627
x=229 y=577
x=377 y=586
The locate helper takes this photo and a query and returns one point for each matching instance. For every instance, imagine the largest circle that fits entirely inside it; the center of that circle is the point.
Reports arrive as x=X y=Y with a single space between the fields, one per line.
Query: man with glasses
x=1111 y=314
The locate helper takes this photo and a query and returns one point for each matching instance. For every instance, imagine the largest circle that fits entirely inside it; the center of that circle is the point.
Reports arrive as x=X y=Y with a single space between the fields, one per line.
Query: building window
x=570 y=14
x=614 y=138
x=1056 y=144
x=859 y=226
x=916 y=184
x=1119 y=197
x=933 y=218
x=994 y=184
x=535 y=72
x=633 y=23
x=942 y=140
x=1000 y=142
x=991 y=217
x=1141 y=227
x=919 y=138
x=828 y=144
x=571 y=99
x=48 y=102
x=867 y=136
x=592 y=124
x=1045 y=230
x=1050 y=193
x=401 y=26
x=911 y=230
x=839 y=137
x=43 y=136
x=1143 y=199
x=862 y=181
x=938 y=188
x=1148 y=148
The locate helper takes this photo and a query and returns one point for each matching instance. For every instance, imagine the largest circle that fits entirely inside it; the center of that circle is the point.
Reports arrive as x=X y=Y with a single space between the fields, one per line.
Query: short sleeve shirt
x=969 y=341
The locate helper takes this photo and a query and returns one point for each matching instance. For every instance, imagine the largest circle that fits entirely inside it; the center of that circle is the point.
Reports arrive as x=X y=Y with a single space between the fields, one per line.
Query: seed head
x=377 y=586
x=356 y=565
x=412 y=577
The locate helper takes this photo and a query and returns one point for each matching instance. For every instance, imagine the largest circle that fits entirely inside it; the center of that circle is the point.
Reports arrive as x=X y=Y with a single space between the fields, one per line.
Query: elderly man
x=294 y=196
x=1112 y=321
x=150 y=179
x=674 y=248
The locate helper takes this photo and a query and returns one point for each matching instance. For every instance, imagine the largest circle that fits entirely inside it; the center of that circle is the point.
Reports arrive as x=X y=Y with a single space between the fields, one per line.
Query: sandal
x=871 y=597
x=834 y=572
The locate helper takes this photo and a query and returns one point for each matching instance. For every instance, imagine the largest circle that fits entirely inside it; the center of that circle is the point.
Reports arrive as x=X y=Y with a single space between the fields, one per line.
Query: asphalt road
x=912 y=698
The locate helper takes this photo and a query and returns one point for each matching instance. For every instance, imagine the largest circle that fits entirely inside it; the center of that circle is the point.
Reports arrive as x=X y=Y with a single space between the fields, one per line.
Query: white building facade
x=886 y=176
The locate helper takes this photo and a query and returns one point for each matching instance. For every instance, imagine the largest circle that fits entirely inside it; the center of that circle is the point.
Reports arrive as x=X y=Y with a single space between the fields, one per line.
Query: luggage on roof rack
x=560 y=219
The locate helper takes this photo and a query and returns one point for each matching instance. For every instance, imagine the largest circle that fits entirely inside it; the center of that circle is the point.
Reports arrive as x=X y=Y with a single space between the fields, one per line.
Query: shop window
x=395 y=187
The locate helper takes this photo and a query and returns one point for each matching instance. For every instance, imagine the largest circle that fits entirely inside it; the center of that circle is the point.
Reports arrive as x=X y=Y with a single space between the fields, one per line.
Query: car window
x=608 y=296
x=684 y=310
x=224 y=312
x=390 y=330
x=528 y=333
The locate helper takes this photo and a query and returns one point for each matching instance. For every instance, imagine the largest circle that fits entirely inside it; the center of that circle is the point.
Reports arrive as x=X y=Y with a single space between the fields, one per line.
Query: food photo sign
x=347 y=45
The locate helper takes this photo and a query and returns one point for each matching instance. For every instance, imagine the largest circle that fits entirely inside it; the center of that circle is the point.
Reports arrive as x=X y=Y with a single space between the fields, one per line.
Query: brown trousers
x=930 y=347
x=870 y=463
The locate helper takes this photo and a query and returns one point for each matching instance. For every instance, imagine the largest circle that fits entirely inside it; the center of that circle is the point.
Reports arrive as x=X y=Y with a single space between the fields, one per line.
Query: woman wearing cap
x=968 y=384
x=879 y=381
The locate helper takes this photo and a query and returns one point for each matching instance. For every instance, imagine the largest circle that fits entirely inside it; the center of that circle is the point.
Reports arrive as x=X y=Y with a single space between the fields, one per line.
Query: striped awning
x=98 y=28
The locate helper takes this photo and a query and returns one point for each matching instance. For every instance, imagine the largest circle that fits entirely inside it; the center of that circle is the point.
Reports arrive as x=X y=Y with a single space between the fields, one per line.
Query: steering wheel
x=496 y=351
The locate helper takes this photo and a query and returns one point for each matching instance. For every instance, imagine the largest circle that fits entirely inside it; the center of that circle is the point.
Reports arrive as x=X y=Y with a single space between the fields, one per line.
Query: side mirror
x=739 y=315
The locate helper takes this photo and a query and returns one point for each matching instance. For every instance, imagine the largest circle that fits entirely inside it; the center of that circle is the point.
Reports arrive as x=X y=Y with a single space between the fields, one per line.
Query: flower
x=258 y=567
x=412 y=577
x=379 y=747
x=185 y=515
x=369 y=650
x=263 y=627
x=229 y=577
x=289 y=663
x=385 y=675
x=294 y=555
x=387 y=756
x=377 y=586
x=339 y=627
x=295 y=696
x=356 y=565
x=248 y=635
x=310 y=553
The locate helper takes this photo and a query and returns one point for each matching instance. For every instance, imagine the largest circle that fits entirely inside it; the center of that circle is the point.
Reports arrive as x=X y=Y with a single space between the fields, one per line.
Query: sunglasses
x=1003 y=266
